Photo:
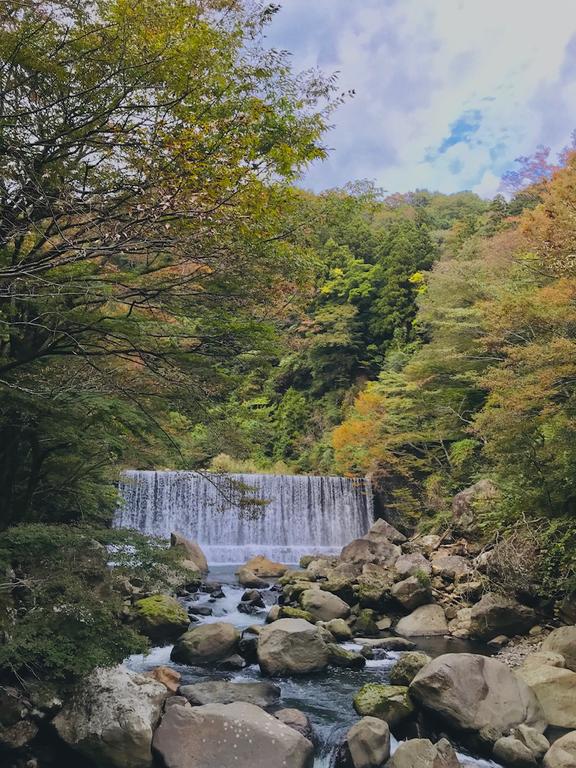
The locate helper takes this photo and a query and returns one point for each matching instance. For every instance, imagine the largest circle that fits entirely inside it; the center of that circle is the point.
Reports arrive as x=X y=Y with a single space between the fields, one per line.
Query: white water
x=304 y=514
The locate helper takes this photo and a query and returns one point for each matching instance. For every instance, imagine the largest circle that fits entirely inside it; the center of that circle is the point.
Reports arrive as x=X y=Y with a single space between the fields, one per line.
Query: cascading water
x=303 y=514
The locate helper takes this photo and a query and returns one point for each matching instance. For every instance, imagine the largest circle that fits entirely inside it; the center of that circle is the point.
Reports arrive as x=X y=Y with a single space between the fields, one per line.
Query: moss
x=365 y=625
x=287 y=612
x=423 y=578
x=161 y=617
x=340 y=657
x=387 y=702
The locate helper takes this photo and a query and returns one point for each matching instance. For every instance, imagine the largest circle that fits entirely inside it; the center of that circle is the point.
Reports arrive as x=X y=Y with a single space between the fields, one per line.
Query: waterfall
x=301 y=514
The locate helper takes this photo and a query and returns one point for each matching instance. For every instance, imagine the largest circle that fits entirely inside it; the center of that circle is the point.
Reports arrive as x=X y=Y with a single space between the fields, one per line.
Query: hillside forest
x=171 y=298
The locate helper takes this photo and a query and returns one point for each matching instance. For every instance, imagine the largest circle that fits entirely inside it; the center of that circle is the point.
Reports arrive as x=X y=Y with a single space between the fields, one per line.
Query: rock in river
x=110 y=718
x=386 y=702
x=421 y=753
x=291 y=647
x=324 y=606
x=426 y=621
x=209 y=642
x=474 y=693
x=261 y=694
x=367 y=744
x=235 y=735
x=562 y=754
x=498 y=615
x=191 y=550
x=161 y=618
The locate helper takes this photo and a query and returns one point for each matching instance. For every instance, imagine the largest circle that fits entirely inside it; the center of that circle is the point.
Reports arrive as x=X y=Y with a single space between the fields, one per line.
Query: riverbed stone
x=237 y=735
x=387 y=643
x=266 y=568
x=169 y=677
x=161 y=618
x=365 y=624
x=422 y=753
x=191 y=550
x=367 y=743
x=499 y=615
x=295 y=718
x=451 y=567
x=512 y=752
x=291 y=612
x=411 y=593
x=247 y=578
x=206 y=643
x=473 y=693
x=414 y=564
x=408 y=666
x=562 y=754
x=342 y=657
x=291 y=647
x=563 y=641
x=110 y=718
x=555 y=689
x=339 y=629
x=261 y=694
x=386 y=702
x=324 y=606
x=362 y=551
x=425 y=621
x=382 y=529
x=536 y=742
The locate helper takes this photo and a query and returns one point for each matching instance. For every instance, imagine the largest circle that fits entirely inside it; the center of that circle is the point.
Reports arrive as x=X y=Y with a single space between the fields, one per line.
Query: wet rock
x=291 y=646
x=339 y=629
x=237 y=735
x=254 y=597
x=161 y=618
x=248 y=649
x=513 y=752
x=411 y=593
x=167 y=676
x=248 y=578
x=200 y=610
x=290 y=612
x=408 y=666
x=296 y=719
x=365 y=624
x=273 y=614
x=191 y=550
x=110 y=718
x=367 y=744
x=422 y=753
x=473 y=693
x=248 y=609
x=563 y=641
x=206 y=643
x=425 y=621
x=498 y=615
x=262 y=566
x=387 y=643
x=340 y=657
x=386 y=702
x=232 y=663
x=261 y=694
x=324 y=606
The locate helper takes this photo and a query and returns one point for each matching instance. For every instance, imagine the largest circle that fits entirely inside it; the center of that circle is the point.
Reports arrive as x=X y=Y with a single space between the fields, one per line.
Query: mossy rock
x=365 y=625
x=386 y=702
x=340 y=657
x=288 y=612
x=161 y=618
x=305 y=560
x=408 y=666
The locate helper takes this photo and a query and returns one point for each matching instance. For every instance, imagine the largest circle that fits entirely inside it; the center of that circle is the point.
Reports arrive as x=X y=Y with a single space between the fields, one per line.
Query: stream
x=326 y=698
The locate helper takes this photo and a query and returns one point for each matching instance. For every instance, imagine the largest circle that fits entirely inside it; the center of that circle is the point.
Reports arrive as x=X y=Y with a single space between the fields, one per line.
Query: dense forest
x=170 y=297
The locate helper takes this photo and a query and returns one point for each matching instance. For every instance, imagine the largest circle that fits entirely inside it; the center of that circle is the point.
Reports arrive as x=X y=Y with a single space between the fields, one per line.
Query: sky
x=448 y=92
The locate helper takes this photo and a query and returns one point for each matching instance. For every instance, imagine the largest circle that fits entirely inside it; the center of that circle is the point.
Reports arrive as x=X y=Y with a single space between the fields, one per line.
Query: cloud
x=448 y=92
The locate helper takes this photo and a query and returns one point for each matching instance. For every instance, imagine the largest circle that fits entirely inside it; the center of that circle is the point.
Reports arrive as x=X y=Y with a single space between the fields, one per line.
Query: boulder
x=324 y=606
x=167 y=676
x=161 y=618
x=339 y=629
x=341 y=657
x=206 y=643
x=413 y=564
x=536 y=742
x=545 y=658
x=296 y=719
x=555 y=689
x=421 y=753
x=292 y=647
x=362 y=551
x=411 y=593
x=387 y=643
x=374 y=586
x=191 y=550
x=365 y=624
x=17 y=727
x=408 y=666
x=247 y=578
x=254 y=597
x=451 y=567
x=110 y=718
x=425 y=544
x=465 y=503
x=290 y=612
x=563 y=641
x=425 y=621
x=237 y=735
x=513 y=752
x=383 y=530
x=474 y=693
x=498 y=615
x=562 y=754
x=262 y=566
x=261 y=694
x=368 y=743
x=386 y=702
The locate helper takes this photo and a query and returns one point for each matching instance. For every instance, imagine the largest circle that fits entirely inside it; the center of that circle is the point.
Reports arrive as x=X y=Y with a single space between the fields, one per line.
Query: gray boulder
x=451 y=567
x=296 y=719
x=426 y=621
x=383 y=530
x=324 y=606
x=513 y=752
x=412 y=564
x=465 y=504
x=563 y=641
x=207 y=643
x=368 y=743
x=111 y=716
x=498 y=615
x=408 y=666
x=191 y=551
x=411 y=593
x=363 y=551
x=473 y=693
x=422 y=753
x=562 y=754
x=261 y=694
x=237 y=735
x=555 y=689
x=291 y=647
